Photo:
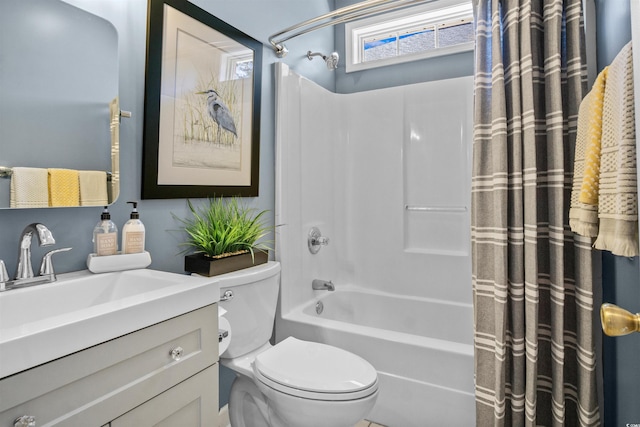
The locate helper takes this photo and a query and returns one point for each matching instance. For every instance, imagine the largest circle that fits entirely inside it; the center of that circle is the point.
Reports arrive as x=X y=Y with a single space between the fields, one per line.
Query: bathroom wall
x=409 y=190
x=316 y=169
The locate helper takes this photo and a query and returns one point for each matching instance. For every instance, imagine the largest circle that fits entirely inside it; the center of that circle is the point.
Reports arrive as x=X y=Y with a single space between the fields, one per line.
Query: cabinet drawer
x=94 y=386
x=192 y=403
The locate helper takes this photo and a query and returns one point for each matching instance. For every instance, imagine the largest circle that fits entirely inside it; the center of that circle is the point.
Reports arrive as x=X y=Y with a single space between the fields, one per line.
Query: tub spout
x=322 y=285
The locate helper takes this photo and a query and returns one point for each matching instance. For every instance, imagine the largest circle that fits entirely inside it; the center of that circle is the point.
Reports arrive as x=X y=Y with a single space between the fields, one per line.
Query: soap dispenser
x=105 y=235
x=133 y=233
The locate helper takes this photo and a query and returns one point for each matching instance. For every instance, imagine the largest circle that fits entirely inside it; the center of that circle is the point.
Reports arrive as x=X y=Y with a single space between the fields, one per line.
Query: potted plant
x=223 y=237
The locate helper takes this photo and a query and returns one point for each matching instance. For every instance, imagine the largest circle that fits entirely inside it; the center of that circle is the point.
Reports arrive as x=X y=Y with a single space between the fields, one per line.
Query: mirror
x=58 y=97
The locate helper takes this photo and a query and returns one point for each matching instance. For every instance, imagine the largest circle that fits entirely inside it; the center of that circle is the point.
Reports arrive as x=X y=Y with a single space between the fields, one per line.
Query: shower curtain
x=532 y=277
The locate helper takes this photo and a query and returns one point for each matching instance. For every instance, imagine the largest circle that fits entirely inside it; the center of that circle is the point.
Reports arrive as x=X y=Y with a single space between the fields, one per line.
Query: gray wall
x=620 y=276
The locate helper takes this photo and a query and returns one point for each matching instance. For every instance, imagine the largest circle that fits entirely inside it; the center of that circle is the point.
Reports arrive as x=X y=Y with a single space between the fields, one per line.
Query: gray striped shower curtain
x=532 y=277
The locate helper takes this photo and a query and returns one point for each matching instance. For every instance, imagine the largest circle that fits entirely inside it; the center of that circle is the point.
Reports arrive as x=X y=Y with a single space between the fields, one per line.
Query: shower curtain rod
x=338 y=16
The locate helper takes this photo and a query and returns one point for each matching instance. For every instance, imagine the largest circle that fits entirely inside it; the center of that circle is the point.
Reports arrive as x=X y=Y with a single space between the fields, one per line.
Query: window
x=437 y=28
x=238 y=65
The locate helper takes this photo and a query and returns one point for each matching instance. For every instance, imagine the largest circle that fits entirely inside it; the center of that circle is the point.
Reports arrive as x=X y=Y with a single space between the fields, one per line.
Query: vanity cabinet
x=154 y=376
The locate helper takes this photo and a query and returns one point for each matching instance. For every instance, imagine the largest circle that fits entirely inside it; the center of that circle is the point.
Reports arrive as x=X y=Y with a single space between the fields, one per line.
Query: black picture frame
x=189 y=152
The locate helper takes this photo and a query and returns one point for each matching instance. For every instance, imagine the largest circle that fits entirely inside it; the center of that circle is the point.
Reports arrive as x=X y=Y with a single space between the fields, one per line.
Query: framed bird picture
x=202 y=105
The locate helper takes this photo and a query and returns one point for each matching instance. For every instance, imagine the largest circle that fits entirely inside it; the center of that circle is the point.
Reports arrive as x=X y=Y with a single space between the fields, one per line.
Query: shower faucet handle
x=316 y=240
x=322 y=241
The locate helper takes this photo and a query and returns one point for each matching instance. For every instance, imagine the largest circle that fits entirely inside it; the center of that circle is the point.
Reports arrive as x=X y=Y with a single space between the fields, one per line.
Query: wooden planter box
x=207 y=266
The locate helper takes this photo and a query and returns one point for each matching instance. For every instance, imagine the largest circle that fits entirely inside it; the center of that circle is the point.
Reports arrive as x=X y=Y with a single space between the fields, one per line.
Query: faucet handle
x=46 y=267
x=315 y=240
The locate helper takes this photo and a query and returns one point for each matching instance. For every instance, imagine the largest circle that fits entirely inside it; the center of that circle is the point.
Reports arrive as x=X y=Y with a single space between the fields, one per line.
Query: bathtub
x=421 y=348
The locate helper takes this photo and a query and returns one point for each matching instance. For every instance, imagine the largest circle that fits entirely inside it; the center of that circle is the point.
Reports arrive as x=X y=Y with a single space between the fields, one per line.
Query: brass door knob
x=617 y=321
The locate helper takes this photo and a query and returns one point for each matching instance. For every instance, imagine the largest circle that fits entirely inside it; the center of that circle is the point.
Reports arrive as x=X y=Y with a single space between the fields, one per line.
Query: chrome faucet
x=315 y=240
x=46 y=267
x=322 y=285
x=25 y=270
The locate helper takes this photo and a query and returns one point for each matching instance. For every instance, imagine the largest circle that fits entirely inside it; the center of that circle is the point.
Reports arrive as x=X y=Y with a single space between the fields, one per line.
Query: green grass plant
x=220 y=228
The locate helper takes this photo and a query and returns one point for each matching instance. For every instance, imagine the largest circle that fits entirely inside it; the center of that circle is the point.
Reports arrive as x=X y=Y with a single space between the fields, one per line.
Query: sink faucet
x=322 y=285
x=25 y=270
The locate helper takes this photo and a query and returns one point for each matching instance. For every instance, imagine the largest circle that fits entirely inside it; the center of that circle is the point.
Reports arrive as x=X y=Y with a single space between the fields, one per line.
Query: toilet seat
x=315 y=371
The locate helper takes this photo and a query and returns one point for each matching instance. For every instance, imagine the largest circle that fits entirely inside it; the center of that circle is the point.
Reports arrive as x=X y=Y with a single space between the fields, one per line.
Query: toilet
x=294 y=383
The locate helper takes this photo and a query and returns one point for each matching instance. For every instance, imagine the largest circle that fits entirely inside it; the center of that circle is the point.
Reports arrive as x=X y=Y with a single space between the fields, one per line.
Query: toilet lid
x=315 y=367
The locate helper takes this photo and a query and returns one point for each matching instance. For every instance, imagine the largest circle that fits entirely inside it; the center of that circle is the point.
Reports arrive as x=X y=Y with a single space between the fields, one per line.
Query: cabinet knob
x=25 y=421
x=176 y=353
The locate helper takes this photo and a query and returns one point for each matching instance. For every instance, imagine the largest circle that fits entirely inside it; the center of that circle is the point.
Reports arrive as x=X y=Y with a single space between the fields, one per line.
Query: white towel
x=93 y=188
x=29 y=188
x=618 y=199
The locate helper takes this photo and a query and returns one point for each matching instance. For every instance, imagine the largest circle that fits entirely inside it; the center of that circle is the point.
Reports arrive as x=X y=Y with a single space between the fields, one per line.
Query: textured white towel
x=618 y=200
x=29 y=188
x=93 y=188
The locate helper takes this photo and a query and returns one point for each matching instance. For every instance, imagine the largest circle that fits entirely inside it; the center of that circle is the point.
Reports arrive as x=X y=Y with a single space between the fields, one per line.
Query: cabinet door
x=192 y=403
x=94 y=386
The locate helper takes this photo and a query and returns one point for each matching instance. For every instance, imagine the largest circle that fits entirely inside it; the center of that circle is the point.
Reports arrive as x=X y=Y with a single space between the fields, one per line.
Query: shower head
x=331 y=60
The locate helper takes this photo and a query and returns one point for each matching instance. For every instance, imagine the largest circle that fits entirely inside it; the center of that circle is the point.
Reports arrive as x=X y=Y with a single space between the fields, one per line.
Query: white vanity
x=130 y=348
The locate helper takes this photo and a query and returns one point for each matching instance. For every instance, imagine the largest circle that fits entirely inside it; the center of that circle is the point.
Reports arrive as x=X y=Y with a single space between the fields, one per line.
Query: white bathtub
x=421 y=348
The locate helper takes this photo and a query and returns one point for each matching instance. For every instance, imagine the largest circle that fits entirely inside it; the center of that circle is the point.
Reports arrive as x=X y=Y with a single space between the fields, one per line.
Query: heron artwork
x=219 y=113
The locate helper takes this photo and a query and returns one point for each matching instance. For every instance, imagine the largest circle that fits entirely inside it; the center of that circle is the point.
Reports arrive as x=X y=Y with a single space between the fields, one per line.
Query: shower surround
x=385 y=175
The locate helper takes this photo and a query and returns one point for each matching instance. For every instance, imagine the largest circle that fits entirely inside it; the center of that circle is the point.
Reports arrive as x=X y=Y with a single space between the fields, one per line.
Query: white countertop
x=81 y=309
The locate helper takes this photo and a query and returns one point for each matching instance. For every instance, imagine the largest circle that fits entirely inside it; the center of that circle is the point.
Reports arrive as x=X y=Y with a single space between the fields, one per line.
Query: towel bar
x=6 y=172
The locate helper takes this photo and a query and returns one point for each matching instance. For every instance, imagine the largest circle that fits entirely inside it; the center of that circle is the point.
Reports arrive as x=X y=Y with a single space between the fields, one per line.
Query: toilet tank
x=251 y=310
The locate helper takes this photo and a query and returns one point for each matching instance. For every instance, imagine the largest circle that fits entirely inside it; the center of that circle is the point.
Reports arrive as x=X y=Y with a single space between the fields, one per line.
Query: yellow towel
x=64 y=187
x=93 y=188
x=591 y=179
x=29 y=188
x=583 y=217
x=618 y=199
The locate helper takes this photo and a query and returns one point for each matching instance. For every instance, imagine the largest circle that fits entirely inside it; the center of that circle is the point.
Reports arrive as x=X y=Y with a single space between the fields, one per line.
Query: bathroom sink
x=82 y=309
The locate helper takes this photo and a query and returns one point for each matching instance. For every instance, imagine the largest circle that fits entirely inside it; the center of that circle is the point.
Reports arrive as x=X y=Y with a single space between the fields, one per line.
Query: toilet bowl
x=294 y=382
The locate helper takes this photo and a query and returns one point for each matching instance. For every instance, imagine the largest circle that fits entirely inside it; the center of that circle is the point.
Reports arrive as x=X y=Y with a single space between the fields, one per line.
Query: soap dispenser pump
x=105 y=235
x=133 y=233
